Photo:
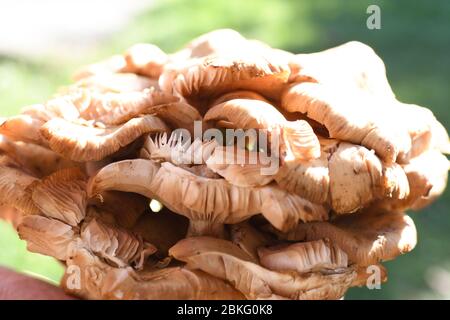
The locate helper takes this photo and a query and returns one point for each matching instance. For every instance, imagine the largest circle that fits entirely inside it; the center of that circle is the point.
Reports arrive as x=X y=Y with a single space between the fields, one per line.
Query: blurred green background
x=413 y=42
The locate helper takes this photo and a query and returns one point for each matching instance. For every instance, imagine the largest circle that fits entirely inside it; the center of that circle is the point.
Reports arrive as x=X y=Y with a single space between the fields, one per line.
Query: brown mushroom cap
x=116 y=83
x=246 y=114
x=145 y=59
x=62 y=196
x=46 y=236
x=303 y=257
x=84 y=142
x=117 y=108
x=350 y=116
x=15 y=188
x=101 y=281
x=200 y=198
x=118 y=246
x=23 y=128
x=215 y=42
x=309 y=179
x=239 y=94
x=353 y=64
x=176 y=115
x=226 y=261
x=298 y=139
x=346 y=176
x=240 y=167
x=212 y=75
x=367 y=237
x=355 y=177
x=36 y=159
x=426 y=181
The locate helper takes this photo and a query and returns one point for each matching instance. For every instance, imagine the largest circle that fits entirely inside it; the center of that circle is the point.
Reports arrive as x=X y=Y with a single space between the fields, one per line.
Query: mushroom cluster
x=307 y=195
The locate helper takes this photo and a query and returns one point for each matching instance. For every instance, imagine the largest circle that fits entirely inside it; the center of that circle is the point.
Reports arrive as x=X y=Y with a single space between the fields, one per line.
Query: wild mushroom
x=200 y=198
x=62 y=196
x=352 y=64
x=215 y=74
x=112 y=177
x=226 y=261
x=117 y=108
x=297 y=139
x=15 y=188
x=118 y=246
x=39 y=161
x=102 y=281
x=303 y=257
x=380 y=235
x=93 y=141
x=349 y=116
x=145 y=59
x=115 y=83
x=46 y=236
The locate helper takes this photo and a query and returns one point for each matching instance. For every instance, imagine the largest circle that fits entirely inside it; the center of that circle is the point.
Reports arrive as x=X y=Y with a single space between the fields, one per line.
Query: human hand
x=15 y=286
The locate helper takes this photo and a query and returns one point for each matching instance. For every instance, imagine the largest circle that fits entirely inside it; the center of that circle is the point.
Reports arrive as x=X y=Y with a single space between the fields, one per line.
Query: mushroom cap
x=303 y=257
x=239 y=94
x=309 y=179
x=46 y=236
x=368 y=237
x=246 y=114
x=352 y=64
x=240 y=167
x=62 y=196
x=298 y=139
x=15 y=188
x=178 y=115
x=427 y=178
x=145 y=59
x=228 y=262
x=37 y=160
x=346 y=176
x=127 y=176
x=117 y=108
x=219 y=41
x=285 y=210
x=200 y=198
x=23 y=128
x=216 y=74
x=351 y=116
x=86 y=142
x=116 y=82
x=102 y=281
x=355 y=178
x=57 y=107
x=118 y=246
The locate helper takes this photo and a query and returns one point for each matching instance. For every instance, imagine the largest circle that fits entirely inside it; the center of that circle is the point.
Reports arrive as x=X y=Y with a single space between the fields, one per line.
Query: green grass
x=413 y=42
